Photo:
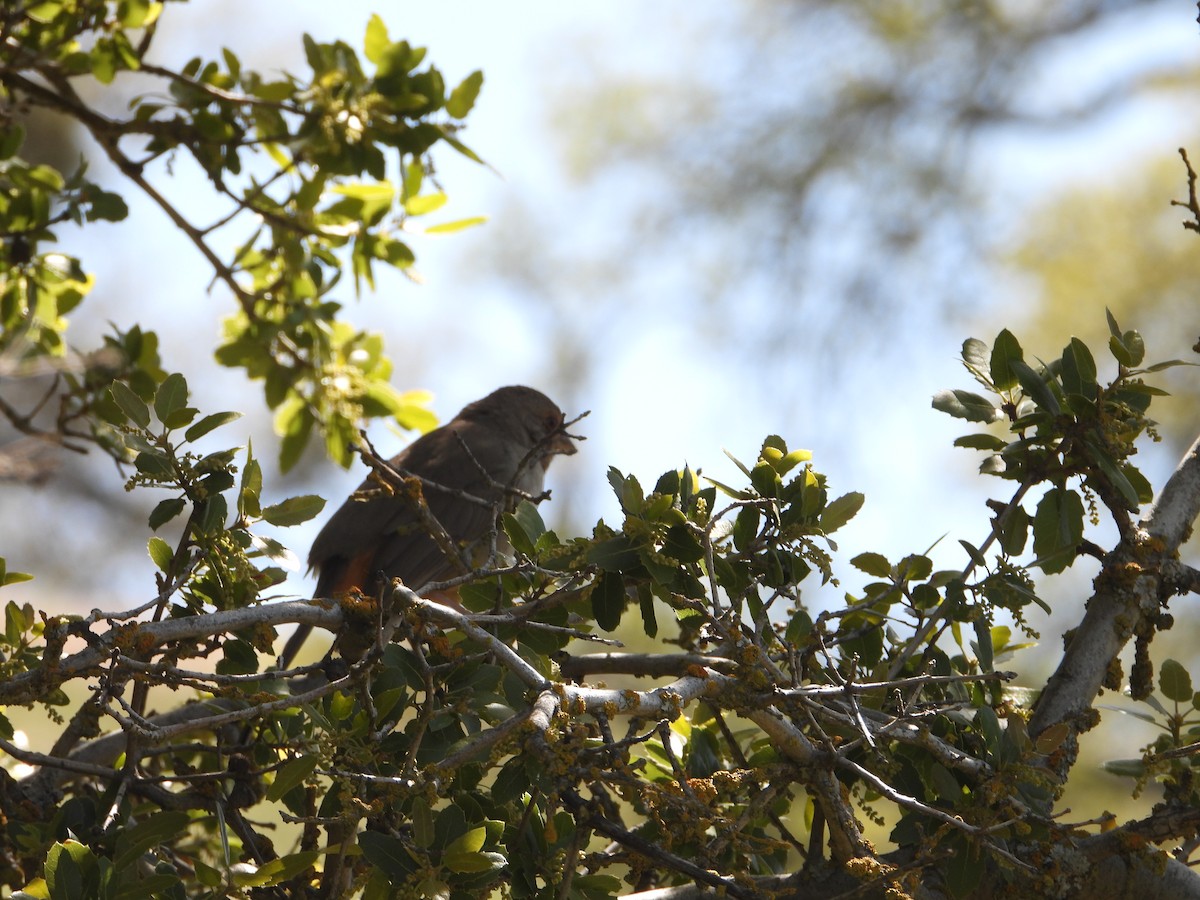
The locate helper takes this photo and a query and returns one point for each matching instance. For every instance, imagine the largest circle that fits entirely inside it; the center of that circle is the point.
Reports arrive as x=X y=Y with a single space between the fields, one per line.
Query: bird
x=481 y=463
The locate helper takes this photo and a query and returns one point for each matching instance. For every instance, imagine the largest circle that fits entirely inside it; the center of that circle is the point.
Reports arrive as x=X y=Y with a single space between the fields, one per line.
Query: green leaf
x=616 y=554
x=737 y=462
x=105 y=206
x=180 y=418
x=209 y=423
x=1004 y=351
x=161 y=553
x=1141 y=486
x=944 y=785
x=972 y=551
x=11 y=138
x=874 y=564
x=608 y=600
x=799 y=628
x=628 y=490
x=1035 y=387
x=963 y=867
x=1079 y=369
x=154 y=463
x=207 y=875
x=387 y=853
x=237 y=658
x=212 y=512
x=981 y=441
x=290 y=775
x=745 y=527
x=15 y=624
x=45 y=12
x=376 y=41
x=471 y=842
x=1113 y=328
x=281 y=870
x=463 y=97
x=840 y=511
x=46 y=177
x=414 y=177
x=474 y=863
x=460 y=147
x=765 y=479
x=965 y=405
x=1057 y=529
x=925 y=596
x=597 y=887
x=1135 y=346
x=1116 y=477
x=1175 y=682
x=458 y=225
x=7 y=577
x=511 y=782
x=425 y=203
x=130 y=403
x=159 y=829
x=914 y=567
x=171 y=396
x=646 y=607
x=250 y=491
x=71 y=871
x=136 y=13
x=1120 y=352
x=1014 y=531
x=1128 y=348
x=524 y=526
x=984 y=650
x=293 y=423
x=975 y=354
x=294 y=510
x=1164 y=365
x=422 y=819
x=166 y=511
x=1126 y=768
x=366 y=201
x=680 y=544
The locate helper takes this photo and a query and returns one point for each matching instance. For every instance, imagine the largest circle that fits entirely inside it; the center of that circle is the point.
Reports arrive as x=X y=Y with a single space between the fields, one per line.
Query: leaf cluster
x=322 y=172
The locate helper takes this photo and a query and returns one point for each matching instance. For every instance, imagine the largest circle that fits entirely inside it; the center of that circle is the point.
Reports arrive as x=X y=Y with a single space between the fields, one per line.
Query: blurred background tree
x=772 y=176
x=1119 y=243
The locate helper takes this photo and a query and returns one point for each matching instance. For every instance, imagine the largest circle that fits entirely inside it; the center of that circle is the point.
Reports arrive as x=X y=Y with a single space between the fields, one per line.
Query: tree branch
x=1130 y=585
x=32 y=685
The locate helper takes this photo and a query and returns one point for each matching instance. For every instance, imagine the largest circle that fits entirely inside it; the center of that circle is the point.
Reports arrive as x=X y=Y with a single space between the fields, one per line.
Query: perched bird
x=481 y=463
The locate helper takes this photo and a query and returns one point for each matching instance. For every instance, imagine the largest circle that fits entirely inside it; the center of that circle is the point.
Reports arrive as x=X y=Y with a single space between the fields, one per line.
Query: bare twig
x=1191 y=204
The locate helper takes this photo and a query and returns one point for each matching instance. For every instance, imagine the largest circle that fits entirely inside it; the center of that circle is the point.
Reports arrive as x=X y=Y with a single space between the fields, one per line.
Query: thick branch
x=32 y=685
x=1129 y=586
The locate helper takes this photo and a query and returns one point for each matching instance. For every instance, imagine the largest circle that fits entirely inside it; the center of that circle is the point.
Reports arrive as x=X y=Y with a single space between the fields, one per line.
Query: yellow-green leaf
x=458 y=225
x=161 y=553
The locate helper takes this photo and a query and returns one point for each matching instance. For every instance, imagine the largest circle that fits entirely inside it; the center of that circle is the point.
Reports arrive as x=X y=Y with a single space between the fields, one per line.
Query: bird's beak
x=561 y=443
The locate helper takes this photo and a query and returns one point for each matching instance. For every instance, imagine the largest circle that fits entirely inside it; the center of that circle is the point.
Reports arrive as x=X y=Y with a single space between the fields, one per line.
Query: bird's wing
x=384 y=532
